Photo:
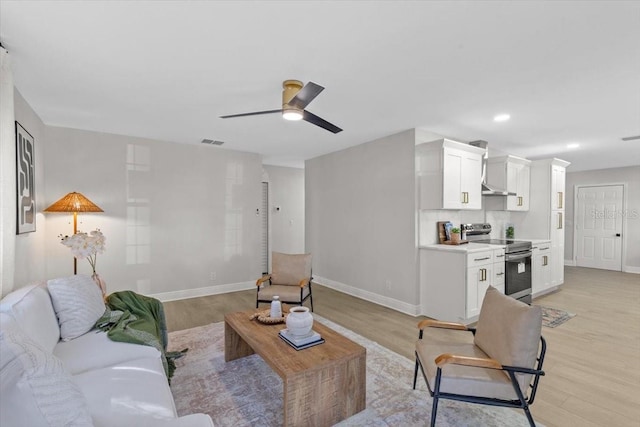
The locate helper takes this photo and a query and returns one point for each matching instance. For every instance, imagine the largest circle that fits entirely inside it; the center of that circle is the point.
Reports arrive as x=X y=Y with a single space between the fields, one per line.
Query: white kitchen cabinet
x=453 y=283
x=498 y=270
x=513 y=174
x=558 y=177
x=546 y=216
x=541 y=270
x=449 y=174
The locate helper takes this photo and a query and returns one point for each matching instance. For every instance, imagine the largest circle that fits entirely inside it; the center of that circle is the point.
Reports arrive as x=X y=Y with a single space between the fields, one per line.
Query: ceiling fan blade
x=306 y=95
x=312 y=118
x=257 y=113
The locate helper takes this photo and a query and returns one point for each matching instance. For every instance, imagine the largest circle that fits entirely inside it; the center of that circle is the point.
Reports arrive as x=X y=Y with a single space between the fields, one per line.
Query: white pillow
x=78 y=304
x=35 y=388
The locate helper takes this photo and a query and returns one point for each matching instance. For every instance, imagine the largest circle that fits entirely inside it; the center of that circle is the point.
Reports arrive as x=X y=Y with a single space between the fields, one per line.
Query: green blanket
x=138 y=319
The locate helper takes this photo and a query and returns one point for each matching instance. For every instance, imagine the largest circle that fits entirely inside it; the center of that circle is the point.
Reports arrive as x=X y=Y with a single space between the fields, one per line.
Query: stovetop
x=511 y=245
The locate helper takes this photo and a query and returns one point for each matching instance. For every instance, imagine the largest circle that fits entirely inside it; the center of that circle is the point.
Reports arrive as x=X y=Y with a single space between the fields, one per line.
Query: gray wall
x=178 y=218
x=30 y=247
x=361 y=219
x=629 y=176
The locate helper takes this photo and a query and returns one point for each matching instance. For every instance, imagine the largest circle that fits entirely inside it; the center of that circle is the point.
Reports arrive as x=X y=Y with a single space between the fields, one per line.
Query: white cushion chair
x=499 y=362
x=290 y=280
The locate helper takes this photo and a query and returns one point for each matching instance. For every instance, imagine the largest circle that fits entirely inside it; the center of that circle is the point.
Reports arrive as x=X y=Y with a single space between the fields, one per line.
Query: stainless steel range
x=517 y=266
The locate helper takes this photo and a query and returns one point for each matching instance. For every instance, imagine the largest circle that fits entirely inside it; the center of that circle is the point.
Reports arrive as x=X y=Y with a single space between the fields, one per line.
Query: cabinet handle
x=462 y=197
x=560 y=199
x=519 y=200
x=499 y=274
x=500 y=256
x=483 y=274
x=559 y=220
x=544 y=249
x=482 y=259
x=545 y=260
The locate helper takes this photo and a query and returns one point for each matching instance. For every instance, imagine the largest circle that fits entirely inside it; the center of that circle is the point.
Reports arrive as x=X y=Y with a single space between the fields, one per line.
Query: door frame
x=623 y=249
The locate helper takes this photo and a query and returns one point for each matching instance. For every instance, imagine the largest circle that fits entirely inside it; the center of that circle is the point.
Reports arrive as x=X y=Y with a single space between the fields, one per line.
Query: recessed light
x=574 y=145
x=501 y=118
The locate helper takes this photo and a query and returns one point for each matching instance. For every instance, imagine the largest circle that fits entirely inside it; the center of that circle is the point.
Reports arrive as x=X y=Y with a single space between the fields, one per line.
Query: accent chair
x=499 y=362
x=290 y=280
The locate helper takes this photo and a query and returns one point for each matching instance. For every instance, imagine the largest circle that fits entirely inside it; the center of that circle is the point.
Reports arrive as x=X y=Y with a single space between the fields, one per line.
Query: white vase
x=299 y=321
x=276 y=308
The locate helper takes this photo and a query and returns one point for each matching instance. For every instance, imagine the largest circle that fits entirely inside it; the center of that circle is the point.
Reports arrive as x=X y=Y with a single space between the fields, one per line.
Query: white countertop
x=465 y=248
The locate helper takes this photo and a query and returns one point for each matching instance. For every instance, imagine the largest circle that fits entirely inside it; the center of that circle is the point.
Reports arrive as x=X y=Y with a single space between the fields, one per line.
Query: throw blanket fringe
x=138 y=319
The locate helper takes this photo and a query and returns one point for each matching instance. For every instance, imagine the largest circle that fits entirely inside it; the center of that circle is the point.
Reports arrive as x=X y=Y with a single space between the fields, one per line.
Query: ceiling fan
x=295 y=98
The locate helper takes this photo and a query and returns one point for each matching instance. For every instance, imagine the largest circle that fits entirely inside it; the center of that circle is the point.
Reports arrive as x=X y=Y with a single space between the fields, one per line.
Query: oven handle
x=517 y=257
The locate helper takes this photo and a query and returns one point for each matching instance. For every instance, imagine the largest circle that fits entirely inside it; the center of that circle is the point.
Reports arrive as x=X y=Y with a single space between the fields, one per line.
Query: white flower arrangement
x=85 y=245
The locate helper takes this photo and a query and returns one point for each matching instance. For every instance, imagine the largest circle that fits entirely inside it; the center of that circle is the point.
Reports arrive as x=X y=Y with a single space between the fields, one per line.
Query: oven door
x=517 y=269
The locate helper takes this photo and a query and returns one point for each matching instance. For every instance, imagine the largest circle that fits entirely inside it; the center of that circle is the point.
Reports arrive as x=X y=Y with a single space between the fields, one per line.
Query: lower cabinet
x=453 y=283
x=541 y=274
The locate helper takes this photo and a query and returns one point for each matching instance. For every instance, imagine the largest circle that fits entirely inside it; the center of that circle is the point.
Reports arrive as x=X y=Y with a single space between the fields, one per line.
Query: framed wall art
x=25 y=174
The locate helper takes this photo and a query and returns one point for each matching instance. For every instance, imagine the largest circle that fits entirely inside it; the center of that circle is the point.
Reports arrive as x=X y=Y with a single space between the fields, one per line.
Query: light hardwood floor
x=592 y=363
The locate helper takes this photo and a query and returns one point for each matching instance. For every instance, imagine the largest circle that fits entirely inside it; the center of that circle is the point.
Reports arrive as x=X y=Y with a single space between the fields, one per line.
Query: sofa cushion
x=124 y=394
x=289 y=269
x=35 y=388
x=78 y=303
x=31 y=307
x=95 y=350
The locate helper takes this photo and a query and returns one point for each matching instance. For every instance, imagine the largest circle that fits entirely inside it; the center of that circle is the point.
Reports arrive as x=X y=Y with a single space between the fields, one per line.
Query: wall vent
x=212 y=142
x=631 y=138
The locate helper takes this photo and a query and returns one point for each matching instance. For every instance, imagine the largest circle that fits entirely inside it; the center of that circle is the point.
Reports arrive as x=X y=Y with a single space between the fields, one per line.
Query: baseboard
x=400 y=306
x=200 y=292
x=570 y=262
x=631 y=269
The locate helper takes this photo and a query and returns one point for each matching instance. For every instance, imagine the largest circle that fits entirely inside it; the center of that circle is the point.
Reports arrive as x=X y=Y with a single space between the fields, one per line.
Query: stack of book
x=306 y=341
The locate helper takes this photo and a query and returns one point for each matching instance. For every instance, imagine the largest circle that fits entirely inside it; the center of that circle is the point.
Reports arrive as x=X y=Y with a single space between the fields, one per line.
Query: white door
x=599 y=218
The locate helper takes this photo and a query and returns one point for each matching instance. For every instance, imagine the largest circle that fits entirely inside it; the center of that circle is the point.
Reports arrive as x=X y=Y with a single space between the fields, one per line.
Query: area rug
x=246 y=392
x=552 y=317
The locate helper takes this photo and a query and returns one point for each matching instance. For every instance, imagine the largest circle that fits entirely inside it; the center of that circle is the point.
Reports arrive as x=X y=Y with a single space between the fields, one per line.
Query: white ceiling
x=566 y=72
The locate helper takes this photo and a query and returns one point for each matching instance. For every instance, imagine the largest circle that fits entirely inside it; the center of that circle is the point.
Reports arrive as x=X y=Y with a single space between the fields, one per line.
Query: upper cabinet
x=558 y=172
x=449 y=174
x=512 y=173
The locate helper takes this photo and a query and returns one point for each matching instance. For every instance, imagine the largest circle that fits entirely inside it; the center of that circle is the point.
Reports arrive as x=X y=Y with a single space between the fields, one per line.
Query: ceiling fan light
x=292 y=114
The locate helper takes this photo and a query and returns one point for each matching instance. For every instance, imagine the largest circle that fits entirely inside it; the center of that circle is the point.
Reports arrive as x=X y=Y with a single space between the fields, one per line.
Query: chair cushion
x=35 y=389
x=509 y=331
x=285 y=292
x=289 y=269
x=78 y=303
x=32 y=310
x=460 y=379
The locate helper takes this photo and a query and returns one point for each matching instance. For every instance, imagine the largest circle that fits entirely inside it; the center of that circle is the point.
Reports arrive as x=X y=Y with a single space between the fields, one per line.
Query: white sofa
x=88 y=380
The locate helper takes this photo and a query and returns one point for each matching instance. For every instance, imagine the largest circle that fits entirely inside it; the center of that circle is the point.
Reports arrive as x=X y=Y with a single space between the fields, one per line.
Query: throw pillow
x=78 y=304
x=35 y=388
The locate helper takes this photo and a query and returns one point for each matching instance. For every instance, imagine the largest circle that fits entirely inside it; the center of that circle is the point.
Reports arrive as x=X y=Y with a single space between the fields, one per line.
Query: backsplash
x=428 y=219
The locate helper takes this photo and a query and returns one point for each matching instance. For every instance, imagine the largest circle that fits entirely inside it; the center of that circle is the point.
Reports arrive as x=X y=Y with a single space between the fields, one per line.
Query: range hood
x=488 y=190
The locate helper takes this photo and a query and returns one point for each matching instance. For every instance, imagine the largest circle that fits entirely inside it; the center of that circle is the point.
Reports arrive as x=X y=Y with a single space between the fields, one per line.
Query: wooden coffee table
x=322 y=385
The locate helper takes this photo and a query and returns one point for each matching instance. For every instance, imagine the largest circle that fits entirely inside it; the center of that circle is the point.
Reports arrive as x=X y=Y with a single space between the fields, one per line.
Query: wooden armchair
x=497 y=363
x=290 y=279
